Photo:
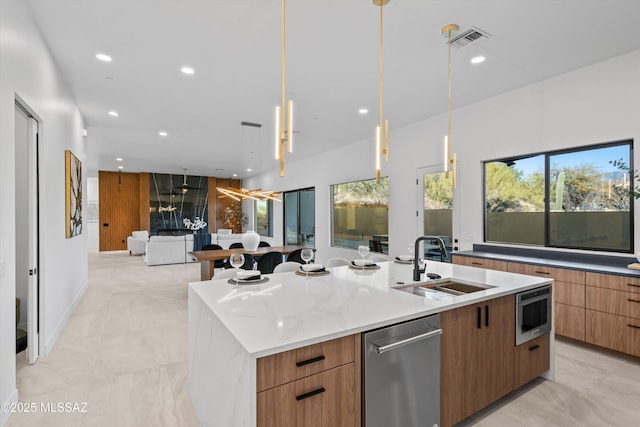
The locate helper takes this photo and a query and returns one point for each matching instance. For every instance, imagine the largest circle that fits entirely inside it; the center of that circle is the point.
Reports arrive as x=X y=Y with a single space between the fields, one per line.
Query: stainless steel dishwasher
x=402 y=374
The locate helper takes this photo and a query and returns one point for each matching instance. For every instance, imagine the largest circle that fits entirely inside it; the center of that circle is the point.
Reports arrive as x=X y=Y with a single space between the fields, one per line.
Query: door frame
x=38 y=301
x=420 y=173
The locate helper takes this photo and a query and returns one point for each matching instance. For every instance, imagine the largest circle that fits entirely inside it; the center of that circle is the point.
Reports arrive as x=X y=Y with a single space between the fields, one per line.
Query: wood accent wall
x=222 y=203
x=119 y=208
x=145 y=221
x=124 y=205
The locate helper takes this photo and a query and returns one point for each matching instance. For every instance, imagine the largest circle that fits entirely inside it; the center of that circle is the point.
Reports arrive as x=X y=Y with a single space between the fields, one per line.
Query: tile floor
x=123 y=352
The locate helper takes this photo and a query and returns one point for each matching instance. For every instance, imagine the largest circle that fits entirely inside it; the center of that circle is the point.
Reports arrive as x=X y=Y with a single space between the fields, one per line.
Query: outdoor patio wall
x=28 y=71
x=598 y=103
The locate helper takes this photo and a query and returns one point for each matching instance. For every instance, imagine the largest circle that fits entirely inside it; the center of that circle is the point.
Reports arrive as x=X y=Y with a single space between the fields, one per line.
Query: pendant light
x=382 y=140
x=284 y=112
x=447 y=31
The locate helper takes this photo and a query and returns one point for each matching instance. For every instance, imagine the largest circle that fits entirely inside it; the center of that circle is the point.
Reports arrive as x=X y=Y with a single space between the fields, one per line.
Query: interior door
x=34 y=273
x=27 y=248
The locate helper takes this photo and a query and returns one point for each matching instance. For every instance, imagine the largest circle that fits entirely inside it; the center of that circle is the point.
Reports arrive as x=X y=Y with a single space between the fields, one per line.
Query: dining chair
x=336 y=262
x=377 y=258
x=219 y=263
x=269 y=261
x=287 y=266
x=249 y=262
x=236 y=245
x=263 y=244
x=375 y=246
x=295 y=256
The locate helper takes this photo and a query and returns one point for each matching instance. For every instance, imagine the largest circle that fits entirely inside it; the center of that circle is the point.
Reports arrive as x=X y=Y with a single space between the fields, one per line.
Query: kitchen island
x=231 y=328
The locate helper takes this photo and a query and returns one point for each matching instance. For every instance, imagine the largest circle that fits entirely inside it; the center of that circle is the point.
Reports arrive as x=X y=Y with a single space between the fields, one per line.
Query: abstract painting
x=73 y=178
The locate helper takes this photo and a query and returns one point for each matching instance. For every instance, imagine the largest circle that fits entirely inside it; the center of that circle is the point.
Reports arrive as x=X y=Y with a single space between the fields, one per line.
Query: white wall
x=598 y=103
x=93 y=231
x=28 y=71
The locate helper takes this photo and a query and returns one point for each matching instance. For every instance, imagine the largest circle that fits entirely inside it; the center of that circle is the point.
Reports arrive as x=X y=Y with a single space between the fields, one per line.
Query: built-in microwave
x=533 y=313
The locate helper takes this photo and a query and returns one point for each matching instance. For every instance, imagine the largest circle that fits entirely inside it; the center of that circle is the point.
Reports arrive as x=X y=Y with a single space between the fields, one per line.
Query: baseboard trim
x=12 y=398
x=49 y=343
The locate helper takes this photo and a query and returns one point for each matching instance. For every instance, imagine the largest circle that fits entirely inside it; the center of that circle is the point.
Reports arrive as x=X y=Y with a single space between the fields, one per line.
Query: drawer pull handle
x=535 y=347
x=479 y=317
x=309 y=361
x=486 y=316
x=476 y=263
x=635 y=286
x=542 y=272
x=633 y=326
x=310 y=394
x=632 y=300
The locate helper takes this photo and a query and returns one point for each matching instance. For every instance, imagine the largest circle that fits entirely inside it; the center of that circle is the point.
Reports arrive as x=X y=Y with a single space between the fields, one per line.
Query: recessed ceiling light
x=118 y=159
x=477 y=59
x=363 y=111
x=120 y=167
x=187 y=70
x=235 y=174
x=162 y=133
x=113 y=113
x=103 y=57
x=248 y=170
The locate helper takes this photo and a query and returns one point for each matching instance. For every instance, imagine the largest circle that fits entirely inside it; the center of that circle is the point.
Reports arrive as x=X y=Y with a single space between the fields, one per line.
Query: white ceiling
x=332 y=69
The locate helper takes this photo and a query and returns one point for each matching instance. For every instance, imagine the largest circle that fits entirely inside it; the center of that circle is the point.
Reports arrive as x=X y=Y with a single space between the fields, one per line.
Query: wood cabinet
x=568 y=297
x=613 y=312
x=598 y=308
x=532 y=359
x=324 y=399
x=478 y=357
x=317 y=385
x=490 y=264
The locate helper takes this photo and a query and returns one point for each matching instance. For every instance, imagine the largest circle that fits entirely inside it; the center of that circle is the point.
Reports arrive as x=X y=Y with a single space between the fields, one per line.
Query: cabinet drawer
x=615 y=302
x=532 y=359
x=569 y=321
x=491 y=264
x=568 y=293
x=615 y=332
x=618 y=283
x=322 y=400
x=560 y=274
x=291 y=365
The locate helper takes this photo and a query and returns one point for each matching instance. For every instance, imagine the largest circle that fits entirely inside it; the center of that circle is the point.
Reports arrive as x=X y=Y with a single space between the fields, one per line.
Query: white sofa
x=137 y=242
x=169 y=250
x=225 y=239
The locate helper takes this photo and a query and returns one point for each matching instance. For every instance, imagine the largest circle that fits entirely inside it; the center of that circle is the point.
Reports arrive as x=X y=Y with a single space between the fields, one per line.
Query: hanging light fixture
x=382 y=140
x=284 y=112
x=239 y=194
x=447 y=31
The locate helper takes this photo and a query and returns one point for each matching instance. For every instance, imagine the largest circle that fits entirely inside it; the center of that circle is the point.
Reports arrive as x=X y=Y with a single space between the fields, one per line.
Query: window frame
x=331 y=207
x=547 y=187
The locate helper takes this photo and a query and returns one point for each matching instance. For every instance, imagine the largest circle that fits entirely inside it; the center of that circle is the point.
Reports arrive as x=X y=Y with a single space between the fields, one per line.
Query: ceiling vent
x=465 y=38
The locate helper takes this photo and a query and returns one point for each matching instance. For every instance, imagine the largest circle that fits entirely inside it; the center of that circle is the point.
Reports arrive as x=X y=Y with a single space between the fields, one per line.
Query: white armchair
x=136 y=243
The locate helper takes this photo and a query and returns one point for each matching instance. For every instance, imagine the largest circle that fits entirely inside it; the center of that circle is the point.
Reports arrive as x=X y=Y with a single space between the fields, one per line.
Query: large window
x=264 y=217
x=568 y=199
x=360 y=213
x=300 y=217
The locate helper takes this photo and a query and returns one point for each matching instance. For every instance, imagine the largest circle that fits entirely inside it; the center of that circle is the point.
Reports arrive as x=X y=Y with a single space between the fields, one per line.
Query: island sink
x=444 y=288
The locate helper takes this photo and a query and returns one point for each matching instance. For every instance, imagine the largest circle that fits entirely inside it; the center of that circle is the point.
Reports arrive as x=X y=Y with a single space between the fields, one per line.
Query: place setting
x=405 y=259
x=363 y=264
x=244 y=277
x=310 y=270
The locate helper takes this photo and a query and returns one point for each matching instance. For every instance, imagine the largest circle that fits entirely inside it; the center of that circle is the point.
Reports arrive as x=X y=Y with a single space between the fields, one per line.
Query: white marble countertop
x=290 y=311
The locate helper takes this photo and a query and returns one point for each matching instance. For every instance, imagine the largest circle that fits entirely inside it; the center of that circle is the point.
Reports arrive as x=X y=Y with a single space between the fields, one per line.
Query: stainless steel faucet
x=416 y=255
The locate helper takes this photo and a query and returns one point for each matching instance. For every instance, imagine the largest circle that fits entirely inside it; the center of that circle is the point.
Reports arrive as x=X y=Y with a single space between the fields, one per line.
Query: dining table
x=208 y=258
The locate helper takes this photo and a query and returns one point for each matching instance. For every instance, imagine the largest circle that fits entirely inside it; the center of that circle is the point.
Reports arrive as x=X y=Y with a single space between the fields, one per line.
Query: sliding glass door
x=299 y=217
